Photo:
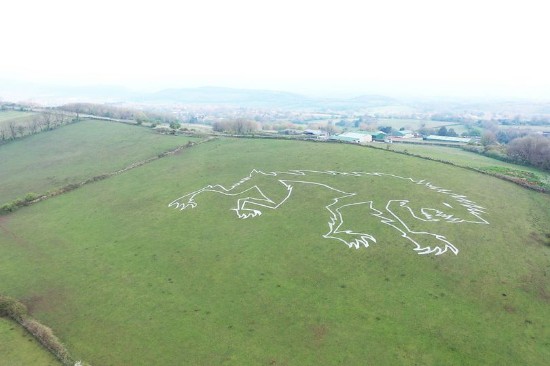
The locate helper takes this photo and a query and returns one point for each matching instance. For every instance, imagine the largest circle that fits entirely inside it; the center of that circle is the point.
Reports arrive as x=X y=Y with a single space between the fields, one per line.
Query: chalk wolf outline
x=255 y=198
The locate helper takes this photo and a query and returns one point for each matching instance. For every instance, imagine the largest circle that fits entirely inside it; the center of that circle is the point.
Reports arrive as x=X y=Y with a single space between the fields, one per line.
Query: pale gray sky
x=425 y=47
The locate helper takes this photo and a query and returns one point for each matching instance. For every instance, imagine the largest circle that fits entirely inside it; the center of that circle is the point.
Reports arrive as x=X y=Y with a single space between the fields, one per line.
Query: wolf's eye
x=432 y=214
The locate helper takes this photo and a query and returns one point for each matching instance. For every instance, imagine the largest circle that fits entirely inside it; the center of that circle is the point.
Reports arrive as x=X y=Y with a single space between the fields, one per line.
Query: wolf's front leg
x=250 y=207
x=188 y=200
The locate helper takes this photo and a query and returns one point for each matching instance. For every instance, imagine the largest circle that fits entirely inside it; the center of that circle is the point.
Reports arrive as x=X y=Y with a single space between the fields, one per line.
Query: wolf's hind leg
x=339 y=230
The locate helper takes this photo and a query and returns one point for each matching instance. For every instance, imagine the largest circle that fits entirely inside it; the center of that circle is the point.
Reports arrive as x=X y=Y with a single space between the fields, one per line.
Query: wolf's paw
x=437 y=250
x=183 y=204
x=354 y=240
x=361 y=240
x=247 y=213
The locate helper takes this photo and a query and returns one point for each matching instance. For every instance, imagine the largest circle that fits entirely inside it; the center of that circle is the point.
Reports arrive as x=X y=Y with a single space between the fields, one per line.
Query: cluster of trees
x=531 y=150
x=239 y=126
x=114 y=112
x=43 y=121
x=443 y=131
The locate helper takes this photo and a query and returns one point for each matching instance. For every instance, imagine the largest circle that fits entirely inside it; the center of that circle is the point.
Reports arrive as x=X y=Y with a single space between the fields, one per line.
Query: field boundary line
x=16 y=311
x=516 y=181
x=18 y=203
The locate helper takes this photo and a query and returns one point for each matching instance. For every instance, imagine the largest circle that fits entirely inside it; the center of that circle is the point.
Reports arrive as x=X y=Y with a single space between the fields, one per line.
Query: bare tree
x=21 y=129
x=59 y=117
x=34 y=125
x=489 y=138
x=47 y=120
x=532 y=149
x=13 y=128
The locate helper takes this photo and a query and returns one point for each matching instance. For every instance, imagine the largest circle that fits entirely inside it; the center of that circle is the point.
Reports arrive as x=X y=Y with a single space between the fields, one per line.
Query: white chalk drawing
x=269 y=190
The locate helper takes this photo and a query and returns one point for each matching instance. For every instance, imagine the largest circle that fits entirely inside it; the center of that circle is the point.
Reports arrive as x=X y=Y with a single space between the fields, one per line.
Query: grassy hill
x=124 y=279
x=53 y=159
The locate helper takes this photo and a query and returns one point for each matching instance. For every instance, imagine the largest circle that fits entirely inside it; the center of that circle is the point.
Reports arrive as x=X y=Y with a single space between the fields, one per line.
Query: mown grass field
x=15 y=116
x=465 y=158
x=414 y=124
x=124 y=280
x=73 y=153
x=19 y=348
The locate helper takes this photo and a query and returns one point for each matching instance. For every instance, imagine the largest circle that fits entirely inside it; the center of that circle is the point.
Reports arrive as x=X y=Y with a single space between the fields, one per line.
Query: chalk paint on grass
x=256 y=194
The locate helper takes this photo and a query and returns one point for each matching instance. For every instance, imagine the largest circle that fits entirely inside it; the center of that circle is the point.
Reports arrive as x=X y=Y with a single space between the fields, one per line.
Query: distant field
x=530 y=128
x=16 y=116
x=464 y=158
x=125 y=280
x=414 y=124
x=74 y=153
x=19 y=348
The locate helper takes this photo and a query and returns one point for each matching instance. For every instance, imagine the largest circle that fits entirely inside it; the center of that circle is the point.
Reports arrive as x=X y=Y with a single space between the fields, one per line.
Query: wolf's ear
x=256 y=172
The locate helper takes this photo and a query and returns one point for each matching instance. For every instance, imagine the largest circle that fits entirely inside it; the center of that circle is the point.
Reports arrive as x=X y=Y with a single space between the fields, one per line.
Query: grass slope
x=468 y=159
x=124 y=280
x=73 y=153
x=19 y=348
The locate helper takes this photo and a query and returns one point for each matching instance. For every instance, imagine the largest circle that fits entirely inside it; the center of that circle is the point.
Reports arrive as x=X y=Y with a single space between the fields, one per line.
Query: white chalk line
x=336 y=221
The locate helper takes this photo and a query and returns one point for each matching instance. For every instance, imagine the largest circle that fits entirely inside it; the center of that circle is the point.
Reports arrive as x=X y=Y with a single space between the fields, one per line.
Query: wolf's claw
x=247 y=213
x=182 y=206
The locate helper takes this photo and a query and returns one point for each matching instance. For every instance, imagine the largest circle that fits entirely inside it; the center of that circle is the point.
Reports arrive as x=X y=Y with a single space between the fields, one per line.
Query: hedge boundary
x=17 y=311
x=32 y=198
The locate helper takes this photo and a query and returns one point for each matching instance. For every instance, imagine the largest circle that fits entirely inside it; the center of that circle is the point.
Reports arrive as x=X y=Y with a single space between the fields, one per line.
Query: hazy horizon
x=425 y=48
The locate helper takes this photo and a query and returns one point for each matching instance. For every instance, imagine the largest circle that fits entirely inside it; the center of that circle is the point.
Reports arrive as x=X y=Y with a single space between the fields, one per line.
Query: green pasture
x=413 y=124
x=73 y=153
x=15 y=116
x=532 y=129
x=19 y=348
x=465 y=158
x=124 y=280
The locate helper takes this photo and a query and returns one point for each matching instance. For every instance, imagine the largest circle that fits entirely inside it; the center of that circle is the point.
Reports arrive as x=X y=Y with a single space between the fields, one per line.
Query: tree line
x=530 y=150
x=239 y=126
x=42 y=121
x=114 y=112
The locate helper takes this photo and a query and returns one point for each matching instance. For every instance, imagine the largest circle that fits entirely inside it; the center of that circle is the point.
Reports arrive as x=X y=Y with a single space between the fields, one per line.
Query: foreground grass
x=19 y=348
x=122 y=279
x=73 y=153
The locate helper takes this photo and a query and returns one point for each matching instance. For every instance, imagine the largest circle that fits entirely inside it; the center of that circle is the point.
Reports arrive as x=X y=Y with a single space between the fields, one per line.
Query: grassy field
x=412 y=124
x=16 y=116
x=19 y=348
x=465 y=158
x=73 y=153
x=125 y=280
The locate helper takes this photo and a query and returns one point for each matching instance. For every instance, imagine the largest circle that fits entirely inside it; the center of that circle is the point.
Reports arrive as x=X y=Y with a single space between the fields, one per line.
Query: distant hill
x=262 y=98
x=228 y=96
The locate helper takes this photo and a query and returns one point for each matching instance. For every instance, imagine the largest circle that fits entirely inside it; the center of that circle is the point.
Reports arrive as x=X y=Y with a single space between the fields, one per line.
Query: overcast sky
x=424 y=47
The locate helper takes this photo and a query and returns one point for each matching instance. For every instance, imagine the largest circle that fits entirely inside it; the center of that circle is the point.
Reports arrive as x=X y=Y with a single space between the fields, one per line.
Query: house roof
x=375 y=133
x=354 y=135
x=344 y=138
x=315 y=132
x=448 y=138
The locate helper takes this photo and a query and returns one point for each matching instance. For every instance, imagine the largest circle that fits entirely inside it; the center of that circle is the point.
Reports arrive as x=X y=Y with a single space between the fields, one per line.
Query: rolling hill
x=123 y=278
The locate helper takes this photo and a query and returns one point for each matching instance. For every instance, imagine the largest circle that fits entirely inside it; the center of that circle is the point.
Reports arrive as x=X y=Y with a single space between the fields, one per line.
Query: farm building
x=320 y=134
x=377 y=135
x=405 y=134
x=356 y=137
x=447 y=139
